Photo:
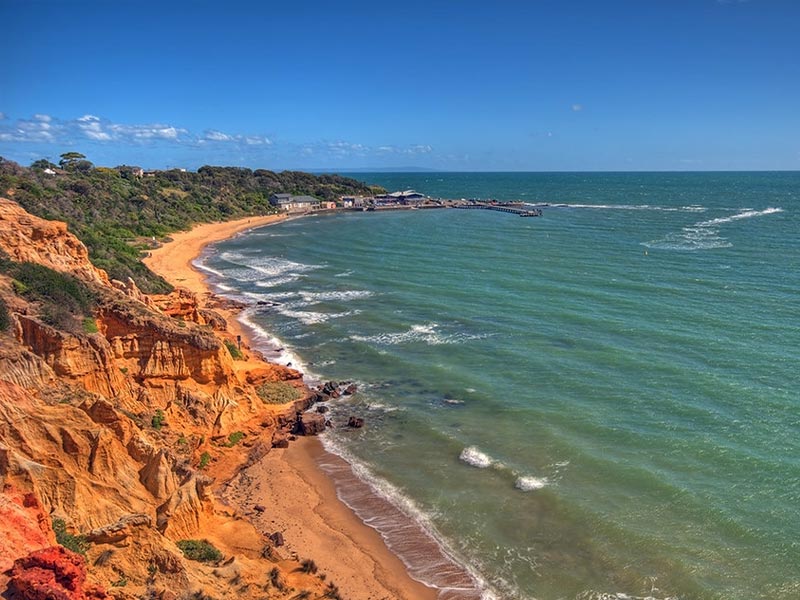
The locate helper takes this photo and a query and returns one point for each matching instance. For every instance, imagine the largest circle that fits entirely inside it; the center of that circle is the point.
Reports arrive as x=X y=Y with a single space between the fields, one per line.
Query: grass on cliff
x=76 y=543
x=236 y=354
x=199 y=550
x=278 y=392
x=64 y=301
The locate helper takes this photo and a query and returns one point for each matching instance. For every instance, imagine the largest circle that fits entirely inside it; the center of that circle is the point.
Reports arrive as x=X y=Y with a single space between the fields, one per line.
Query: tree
x=43 y=164
x=70 y=158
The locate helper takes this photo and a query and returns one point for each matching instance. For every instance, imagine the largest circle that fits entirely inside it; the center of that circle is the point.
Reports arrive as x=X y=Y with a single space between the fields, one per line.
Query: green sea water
x=600 y=403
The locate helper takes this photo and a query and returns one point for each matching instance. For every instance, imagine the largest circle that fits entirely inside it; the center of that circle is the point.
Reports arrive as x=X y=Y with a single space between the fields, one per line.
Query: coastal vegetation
x=121 y=212
x=199 y=550
x=235 y=353
x=65 y=302
x=277 y=392
x=76 y=543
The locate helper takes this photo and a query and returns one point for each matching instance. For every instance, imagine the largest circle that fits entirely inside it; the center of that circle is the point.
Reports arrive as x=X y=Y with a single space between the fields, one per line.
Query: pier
x=506 y=208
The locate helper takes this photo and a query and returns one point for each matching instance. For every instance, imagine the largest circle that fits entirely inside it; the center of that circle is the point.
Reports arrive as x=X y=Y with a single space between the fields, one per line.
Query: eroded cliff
x=120 y=433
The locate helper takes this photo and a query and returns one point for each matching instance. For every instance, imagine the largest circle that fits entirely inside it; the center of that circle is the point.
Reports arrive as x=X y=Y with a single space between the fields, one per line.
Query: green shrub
x=65 y=300
x=19 y=287
x=205 y=458
x=199 y=550
x=234 y=438
x=90 y=325
x=236 y=354
x=76 y=543
x=278 y=392
x=158 y=419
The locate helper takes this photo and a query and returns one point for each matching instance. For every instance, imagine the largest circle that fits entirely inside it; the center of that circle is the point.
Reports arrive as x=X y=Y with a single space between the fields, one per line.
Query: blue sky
x=534 y=86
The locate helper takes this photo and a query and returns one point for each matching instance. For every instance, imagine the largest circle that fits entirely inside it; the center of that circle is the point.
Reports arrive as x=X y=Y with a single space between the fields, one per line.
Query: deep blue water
x=601 y=401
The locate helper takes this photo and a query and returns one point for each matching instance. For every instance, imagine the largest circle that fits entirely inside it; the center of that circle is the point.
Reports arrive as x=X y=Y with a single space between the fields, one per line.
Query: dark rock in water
x=330 y=388
x=350 y=389
x=322 y=409
x=355 y=422
x=309 y=424
x=328 y=424
x=277 y=539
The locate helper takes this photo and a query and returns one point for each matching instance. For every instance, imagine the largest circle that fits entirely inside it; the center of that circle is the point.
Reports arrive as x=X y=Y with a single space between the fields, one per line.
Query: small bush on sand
x=199 y=550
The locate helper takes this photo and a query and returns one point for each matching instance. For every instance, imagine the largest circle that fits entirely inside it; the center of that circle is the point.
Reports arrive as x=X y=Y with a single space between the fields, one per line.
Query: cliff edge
x=115 y=431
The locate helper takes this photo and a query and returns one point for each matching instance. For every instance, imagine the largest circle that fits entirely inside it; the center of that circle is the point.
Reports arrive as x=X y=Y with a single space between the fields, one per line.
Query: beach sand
x=299 y=498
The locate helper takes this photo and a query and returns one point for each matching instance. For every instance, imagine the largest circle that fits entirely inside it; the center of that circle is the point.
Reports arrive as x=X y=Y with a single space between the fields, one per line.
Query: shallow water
x=600 y=401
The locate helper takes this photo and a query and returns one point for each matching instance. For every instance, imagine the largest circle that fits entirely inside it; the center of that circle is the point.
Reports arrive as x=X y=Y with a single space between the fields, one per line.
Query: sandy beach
x=301 y=499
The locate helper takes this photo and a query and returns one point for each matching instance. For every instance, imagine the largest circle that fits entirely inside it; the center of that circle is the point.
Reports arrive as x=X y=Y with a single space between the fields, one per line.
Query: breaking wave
x=428 y=333
x=474 y=457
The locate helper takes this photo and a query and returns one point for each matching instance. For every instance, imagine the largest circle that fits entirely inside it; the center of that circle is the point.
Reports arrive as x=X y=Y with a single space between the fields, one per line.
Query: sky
x=536 y=85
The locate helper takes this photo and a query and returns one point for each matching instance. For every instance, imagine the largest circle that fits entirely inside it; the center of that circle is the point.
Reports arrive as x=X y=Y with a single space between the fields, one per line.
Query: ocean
x=601 y=403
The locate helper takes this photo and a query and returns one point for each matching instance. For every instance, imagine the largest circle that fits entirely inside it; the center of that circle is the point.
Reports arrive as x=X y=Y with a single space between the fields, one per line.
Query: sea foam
x=528 y=483
x=474 y=457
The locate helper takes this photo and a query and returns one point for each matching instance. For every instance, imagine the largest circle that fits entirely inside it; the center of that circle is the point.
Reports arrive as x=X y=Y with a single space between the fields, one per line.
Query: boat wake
x=705 y=235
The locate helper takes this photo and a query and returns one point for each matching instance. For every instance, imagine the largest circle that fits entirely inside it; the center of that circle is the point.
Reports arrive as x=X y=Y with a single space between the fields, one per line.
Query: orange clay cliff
x=113 y=441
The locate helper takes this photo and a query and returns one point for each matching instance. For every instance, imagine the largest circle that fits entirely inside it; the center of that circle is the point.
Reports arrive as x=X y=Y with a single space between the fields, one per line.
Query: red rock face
x=25 y=527
x=52 y=574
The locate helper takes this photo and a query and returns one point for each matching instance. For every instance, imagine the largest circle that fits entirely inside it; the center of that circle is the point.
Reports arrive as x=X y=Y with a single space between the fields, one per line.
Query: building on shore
x=405 y=198
x=297 y=204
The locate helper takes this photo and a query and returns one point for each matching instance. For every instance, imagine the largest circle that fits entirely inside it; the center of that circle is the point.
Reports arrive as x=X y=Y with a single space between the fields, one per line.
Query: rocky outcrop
x=118 y=533
x=26 y=528
x=309 y=424
x=26 y=238
x=84 y=360
x=52 y=574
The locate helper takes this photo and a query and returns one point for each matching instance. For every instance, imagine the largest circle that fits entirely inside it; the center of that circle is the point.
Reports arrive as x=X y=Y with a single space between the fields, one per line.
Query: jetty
x=507 y=207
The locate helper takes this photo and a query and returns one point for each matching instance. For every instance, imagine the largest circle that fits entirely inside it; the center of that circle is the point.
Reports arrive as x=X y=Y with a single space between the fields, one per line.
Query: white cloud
x=577 y=107
x=3 y=116
x=212 y=135
x=255 y=140
x=408 y=150
x=216 y=136
x=89 y=128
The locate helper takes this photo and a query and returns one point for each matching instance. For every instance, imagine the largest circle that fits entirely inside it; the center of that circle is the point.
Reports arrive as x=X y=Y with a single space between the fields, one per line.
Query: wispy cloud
x=46 y=130
x=2 y=116
x=343 y=149
x=212 y=135
x=577 y=107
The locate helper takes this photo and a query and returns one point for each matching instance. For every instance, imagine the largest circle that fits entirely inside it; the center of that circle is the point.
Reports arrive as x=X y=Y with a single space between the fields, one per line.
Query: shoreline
x=316 y=523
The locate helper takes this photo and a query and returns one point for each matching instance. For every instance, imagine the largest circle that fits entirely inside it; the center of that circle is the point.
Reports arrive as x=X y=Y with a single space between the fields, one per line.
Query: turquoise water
x=600 y=401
